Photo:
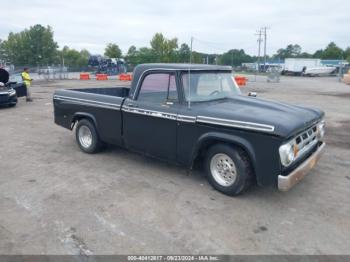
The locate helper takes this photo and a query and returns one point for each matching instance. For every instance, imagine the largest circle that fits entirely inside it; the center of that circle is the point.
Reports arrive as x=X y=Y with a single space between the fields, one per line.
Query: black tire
x=12 y=105
x=244 y=176
x=95 y=145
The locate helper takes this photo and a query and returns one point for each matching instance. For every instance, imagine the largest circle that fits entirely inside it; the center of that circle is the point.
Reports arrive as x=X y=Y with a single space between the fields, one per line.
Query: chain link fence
x=62 y=72
x=44 y=72
x=53 y=73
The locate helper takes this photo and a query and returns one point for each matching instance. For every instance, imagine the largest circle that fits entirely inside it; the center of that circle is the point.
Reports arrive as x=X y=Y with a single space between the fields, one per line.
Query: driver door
x=150 y=125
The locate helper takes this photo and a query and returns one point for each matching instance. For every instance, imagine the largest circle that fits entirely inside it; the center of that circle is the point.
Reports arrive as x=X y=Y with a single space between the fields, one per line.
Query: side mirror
x=252 y=94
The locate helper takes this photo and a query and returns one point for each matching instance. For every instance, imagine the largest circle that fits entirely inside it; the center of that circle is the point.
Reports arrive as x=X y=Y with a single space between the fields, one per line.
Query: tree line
x=36 y=47
x=332 y=51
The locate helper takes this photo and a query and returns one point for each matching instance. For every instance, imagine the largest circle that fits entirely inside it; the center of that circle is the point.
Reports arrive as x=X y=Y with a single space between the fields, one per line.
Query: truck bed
x=110 y=97
x=109 y=91
x=102 y=105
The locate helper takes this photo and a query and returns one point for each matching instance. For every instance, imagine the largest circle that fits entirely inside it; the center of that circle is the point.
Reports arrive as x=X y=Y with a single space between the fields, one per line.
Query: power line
x=218 y=47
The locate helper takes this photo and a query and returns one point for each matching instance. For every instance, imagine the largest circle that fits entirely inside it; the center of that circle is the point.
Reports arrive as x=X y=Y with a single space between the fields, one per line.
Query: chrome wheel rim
x=85 y=136
x=223 y=169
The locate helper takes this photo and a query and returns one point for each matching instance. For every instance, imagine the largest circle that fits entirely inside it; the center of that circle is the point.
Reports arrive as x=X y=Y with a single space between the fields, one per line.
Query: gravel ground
x=54 y=199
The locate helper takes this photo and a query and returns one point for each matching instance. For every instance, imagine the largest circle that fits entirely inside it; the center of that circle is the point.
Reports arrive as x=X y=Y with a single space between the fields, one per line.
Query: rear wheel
x=87 y=137
x=228 y=169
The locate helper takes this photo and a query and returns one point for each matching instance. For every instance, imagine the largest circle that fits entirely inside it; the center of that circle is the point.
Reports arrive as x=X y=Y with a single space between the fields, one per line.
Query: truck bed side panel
x=103 y=110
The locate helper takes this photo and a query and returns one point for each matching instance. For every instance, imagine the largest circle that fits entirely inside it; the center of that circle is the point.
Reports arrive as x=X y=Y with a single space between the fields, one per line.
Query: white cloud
x=219 y=25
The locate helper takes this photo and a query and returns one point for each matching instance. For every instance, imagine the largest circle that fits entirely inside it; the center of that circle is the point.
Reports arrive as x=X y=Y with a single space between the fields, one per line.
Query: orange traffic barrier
x=241 y=81
x=101 y=77
x=125 y=77
x=84 y=76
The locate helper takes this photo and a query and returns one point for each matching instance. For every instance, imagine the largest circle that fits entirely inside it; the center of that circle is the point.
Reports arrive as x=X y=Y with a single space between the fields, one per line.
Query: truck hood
x=286 y=119
x=4 y=76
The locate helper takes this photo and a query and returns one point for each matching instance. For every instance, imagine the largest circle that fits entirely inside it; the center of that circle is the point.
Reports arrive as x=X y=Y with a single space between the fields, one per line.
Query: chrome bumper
x=287 y=182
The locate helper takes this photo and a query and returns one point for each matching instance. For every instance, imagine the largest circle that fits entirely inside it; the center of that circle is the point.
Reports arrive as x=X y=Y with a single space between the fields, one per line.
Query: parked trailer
x=296 y=66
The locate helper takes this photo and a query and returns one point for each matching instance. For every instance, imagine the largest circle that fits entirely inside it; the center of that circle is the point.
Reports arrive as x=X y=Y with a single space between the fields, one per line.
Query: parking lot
x=54 y=199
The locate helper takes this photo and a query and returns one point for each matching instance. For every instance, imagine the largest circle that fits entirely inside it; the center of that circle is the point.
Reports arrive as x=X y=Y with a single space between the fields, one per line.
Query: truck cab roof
x=180 y=67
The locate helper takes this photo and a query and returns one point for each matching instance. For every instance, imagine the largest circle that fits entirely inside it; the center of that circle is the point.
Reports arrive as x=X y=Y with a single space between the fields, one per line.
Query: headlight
x=288 y=153
x=321 y=129
x=12 y=92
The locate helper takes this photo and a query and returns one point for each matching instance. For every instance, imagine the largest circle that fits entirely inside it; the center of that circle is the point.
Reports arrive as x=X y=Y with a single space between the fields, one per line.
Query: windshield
x=207 y=86
x=16 y=78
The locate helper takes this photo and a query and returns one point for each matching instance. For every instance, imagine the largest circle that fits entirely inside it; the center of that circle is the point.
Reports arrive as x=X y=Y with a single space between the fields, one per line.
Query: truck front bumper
x=287 y=182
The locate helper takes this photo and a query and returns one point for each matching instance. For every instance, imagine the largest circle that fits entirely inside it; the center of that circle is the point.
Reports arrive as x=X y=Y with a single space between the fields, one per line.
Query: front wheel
x=87 y=137
x=228 y=169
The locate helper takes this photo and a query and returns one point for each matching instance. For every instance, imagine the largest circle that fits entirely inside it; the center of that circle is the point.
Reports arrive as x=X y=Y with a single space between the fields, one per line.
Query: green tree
x=332 y=51
x=146 y=55
x=113 y=51
x=289 y=52
x=132 y=51
x=33 y=46
x=305 y=55
x=235 y=57
x=132 y=57
x=74 y=59
x=158 y=43
x=199 y=58
x=318 y=54
x=3 y=56
x=347 y=54
x=164 y=49
x=184 y=54
x=84 y=58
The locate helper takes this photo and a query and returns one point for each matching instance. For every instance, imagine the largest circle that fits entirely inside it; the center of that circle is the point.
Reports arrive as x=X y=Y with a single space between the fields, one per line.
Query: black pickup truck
x=189 y=114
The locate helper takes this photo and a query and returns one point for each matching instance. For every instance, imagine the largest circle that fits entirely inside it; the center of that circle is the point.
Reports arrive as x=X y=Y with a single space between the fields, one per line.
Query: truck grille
x=306 y=140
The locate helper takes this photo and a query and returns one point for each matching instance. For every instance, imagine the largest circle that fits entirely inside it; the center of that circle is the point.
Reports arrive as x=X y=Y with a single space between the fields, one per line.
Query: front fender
x=213 y=137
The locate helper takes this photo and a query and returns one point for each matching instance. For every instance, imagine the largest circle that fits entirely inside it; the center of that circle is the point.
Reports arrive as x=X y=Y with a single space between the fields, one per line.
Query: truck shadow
x=177 y=173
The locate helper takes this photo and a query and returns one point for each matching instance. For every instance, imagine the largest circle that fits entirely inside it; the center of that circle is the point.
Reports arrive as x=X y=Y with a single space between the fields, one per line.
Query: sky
x=216 y=25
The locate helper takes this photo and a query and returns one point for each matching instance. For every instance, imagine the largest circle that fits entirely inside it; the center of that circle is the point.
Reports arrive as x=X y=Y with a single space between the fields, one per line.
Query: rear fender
x=80 y=115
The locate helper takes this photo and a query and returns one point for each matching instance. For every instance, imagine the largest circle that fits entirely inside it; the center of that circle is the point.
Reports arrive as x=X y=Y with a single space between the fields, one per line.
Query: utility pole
x=340 y=73
x=232 y=57
x=189 y=76
x=191 y=50
x=259 y=34
x=264 y=29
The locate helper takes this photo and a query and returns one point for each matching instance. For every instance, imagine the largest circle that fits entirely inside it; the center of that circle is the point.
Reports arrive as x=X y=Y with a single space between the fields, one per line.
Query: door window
x=158 y=88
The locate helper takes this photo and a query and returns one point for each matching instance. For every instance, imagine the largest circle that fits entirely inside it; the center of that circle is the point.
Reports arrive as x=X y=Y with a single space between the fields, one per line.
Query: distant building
x=334 y=62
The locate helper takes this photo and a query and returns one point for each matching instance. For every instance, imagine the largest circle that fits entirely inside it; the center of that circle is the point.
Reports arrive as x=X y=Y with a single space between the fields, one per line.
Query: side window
x=158 y=88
